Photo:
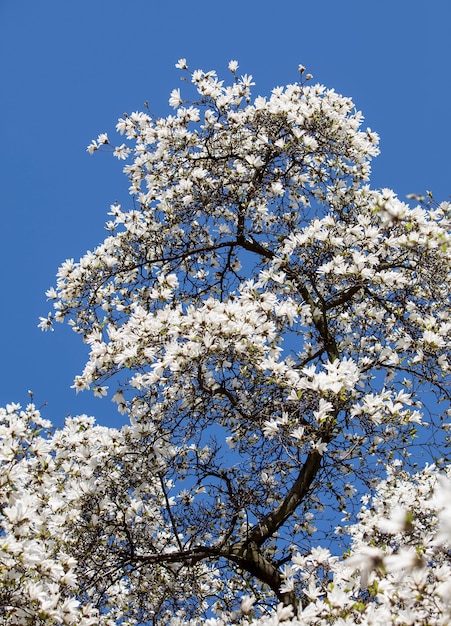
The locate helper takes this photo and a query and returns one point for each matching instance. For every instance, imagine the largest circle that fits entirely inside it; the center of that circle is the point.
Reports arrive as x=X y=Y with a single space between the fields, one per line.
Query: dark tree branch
x=271 y=522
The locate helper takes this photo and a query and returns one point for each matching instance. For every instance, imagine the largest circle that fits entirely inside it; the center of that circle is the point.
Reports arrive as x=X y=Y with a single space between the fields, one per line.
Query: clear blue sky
x=70 y=69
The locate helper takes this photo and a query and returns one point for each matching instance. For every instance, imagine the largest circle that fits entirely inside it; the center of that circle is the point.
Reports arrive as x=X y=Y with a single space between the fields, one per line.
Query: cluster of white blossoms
x=276 y=332
x=69 y=505
x=38 y=577
x=71 y=500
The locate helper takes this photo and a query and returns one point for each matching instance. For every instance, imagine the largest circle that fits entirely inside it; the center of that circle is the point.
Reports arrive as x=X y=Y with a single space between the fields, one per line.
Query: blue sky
x=70 y=69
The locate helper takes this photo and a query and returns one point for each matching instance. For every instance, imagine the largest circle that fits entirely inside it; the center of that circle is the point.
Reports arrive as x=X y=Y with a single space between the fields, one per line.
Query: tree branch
x=271 y=522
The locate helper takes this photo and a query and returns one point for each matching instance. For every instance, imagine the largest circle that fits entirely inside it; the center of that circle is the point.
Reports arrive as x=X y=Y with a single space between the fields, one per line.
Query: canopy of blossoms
x=271 y=327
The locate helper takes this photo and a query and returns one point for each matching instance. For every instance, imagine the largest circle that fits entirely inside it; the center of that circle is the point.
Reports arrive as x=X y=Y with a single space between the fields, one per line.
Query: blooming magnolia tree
x=271 y=327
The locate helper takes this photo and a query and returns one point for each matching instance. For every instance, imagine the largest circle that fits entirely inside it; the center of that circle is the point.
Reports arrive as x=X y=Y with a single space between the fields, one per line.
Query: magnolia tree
x=276 y=334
